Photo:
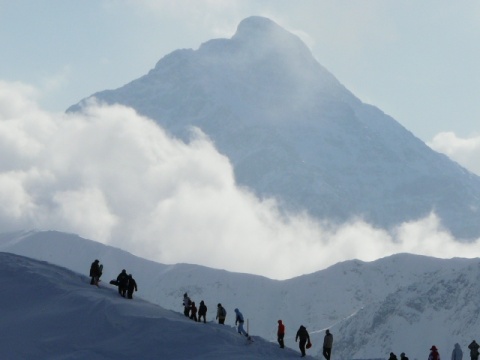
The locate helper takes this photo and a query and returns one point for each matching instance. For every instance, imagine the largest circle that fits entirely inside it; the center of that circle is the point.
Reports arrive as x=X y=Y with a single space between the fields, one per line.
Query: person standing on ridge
x=202 y=312
x=221 y=314
x=193 y=312
x=95 y=272
x=122 y=281
x=281 y=333
x=473 y=350
x=403 y=357
x=186 y=305
x=327 y=344
x=434 y=355
x=304 y=337
x=239 y=320
x=457 y=353
x=392 y=356
x=132 y=285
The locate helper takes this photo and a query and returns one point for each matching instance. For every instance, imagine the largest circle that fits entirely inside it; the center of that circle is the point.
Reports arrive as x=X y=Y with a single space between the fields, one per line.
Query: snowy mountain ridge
x=391 y=304
x=293 y=132
x=53 y=313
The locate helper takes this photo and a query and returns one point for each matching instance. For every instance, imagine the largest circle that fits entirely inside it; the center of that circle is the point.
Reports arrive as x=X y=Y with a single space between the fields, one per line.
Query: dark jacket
x=302 y=334
x=202 y=309
x=95 y=269
x=122 y=279
x=132 y=284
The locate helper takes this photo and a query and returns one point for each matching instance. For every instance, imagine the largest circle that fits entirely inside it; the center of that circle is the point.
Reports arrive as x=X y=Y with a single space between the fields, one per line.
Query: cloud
x=116 y=177
x=465 y=151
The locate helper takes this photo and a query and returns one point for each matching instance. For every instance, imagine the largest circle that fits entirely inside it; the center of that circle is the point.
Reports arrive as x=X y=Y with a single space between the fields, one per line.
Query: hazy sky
x=112 y=176
x=415 y=60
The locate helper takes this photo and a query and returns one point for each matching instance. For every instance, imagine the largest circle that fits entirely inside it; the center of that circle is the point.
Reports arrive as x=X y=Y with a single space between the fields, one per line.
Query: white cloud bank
x=466 y=152
x=113 y=176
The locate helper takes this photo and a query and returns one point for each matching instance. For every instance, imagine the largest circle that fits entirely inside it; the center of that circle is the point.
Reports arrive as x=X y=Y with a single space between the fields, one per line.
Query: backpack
x=223 y=312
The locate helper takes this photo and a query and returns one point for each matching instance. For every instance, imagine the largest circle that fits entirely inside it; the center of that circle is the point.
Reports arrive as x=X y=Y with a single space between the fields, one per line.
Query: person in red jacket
x=281 y=333
x=434 y=355
x=193 y=311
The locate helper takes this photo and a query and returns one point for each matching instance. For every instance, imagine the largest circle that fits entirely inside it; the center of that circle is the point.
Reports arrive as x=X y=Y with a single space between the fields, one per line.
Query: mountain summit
x=293 y=132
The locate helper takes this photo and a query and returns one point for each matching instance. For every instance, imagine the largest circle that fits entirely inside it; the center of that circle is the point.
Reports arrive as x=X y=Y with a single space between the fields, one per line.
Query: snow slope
x=49 y=312
x=293 y=132
x=399 y=303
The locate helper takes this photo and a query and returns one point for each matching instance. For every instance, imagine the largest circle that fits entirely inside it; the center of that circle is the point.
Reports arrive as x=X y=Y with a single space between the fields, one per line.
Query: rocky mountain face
x=401 y=303
x=293 y=132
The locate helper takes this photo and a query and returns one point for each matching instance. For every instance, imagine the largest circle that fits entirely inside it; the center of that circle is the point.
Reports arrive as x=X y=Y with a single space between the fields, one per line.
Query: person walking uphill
x=202 y=312
x=95 y=272
x=473 y=350
x=434 y=355
x=327 y=344
x=122 y=281
x=304 y=337
x=221 y=314
x=186 y=305
x=281 y=334
x=239 y=320
x=132 y=285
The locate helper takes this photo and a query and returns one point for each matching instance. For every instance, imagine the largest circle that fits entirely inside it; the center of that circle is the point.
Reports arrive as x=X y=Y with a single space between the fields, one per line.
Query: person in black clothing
x=474 y=350
x=403 y=356
x=122 y=280
x=132 y=285
x=202 y=312
x=304 y=337
x=392 y=356
x=95 y=272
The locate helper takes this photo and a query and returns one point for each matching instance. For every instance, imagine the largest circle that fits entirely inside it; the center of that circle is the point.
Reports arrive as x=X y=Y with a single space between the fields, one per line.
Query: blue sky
x=415 y=60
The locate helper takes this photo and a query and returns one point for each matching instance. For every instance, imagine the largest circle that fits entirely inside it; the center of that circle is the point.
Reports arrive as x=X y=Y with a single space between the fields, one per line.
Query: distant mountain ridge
x=292 y=131
x=399 y=303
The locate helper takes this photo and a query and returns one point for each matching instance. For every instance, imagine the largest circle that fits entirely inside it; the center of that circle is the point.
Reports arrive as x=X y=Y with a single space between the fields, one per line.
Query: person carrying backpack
x=202 y=312
x=186 y=305
x=473 y=350
x=434 y=355
x=122 y=281
x=221 y=314
x=95 y=272
x=132 y=285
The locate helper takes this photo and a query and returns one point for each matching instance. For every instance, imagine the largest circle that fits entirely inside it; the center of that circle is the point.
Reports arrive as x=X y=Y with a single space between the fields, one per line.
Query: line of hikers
x=457 y=353
x=125 y=282
x=190 y=311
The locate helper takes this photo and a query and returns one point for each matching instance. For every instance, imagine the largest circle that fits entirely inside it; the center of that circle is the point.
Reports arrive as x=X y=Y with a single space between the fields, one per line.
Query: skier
x=304 y=337
x=186 y=305
x=202 y=312
x=434 y=355
x=193 y=312
x=132 y=285
x=457 y=353
x=327 y=344
x=239 y=320
x=221 y=314
x=95 y=272
x=474 y=350
x=122 y=281
x=281 y=334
